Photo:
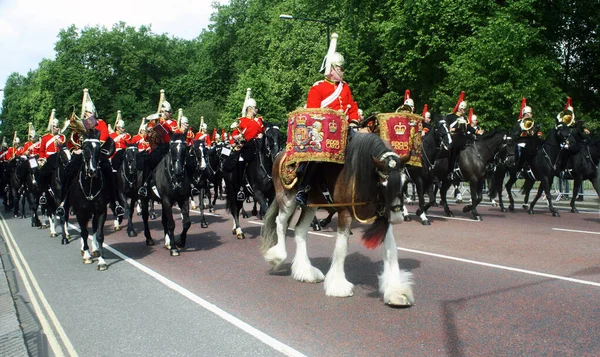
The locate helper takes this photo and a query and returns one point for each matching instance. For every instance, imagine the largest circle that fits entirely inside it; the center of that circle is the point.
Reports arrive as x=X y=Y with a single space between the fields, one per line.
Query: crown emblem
x=332 y=127
x=301 y=121
x=399 y=129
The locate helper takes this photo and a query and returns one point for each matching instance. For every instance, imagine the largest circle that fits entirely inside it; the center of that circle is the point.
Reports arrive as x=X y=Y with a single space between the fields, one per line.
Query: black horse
x=259 y=155
x=89 y=197
x=127 y=182
x=584 y=166
x=63 y=176
x=171 y=184
x=203 y=173
x=543 y=167
x=33 y=191
x=472 y=162
x=18 y=177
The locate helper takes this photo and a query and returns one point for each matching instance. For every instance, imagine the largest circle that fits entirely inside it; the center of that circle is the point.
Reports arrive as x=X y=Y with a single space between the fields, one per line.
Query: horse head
x=130 y=161
x=271 y=141
x=509 y=149
x=91 y=152
x=565 y=138
x=177 y=154
x=442 y=134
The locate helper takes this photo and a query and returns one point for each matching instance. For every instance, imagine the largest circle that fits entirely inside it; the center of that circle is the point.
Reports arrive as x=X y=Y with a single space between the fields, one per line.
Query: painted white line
x=28 y=280
x=496 y=266
x=454 y=218
x=266 y=339
x=574 y=231
x=291 y=229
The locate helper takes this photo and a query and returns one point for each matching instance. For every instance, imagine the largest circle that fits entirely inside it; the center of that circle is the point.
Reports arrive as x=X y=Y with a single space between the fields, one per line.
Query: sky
x=29 y=28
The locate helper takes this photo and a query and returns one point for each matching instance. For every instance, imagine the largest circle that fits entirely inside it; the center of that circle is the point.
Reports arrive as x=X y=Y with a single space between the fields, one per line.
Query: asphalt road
x=511 y=285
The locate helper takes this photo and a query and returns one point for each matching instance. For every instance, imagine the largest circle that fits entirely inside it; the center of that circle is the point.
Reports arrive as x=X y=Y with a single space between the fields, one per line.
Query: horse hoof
x=204 y=225
x=450 y=214
x=43 y=226
x=459 y=201
x=64 y=241
x=466 y=208
x=118 y=228
x=132 y=233
x=68 y=236
x=478 y=218
x=530 y=211
x=150 y=241
x=555 y=214
x=153 y=216
x=574 y=210
x=511 y=208
x=96 y=253
x=426 y=222
x=317 y=228
x=233 y=231
x=399 y=301
x=241 y=236
x=503 y=209
x=174 y=253
x=407 y=219
x=525 y=207
x=193 y=207
x=211 y=210
x=323 y=223
x=52 y=235
x=244 y=215
x=87 y=261
x=102 y=267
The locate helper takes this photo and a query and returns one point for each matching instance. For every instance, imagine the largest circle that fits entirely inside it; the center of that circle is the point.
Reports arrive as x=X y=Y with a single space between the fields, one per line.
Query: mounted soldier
x=455 y=124
x=473 y=129
x=201 y=134
x=527 y=135
x=246 y=131
x=333 y=93
x=31 y=147
x=427 y=126
x=50 y=144
x=121 y=139
x=567 y=117
x=183 y=127
x=159 y=136
x=89 y=122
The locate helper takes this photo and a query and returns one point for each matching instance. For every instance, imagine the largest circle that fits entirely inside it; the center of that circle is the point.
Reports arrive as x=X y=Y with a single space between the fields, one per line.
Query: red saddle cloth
x=314 y=134
x=403 y=131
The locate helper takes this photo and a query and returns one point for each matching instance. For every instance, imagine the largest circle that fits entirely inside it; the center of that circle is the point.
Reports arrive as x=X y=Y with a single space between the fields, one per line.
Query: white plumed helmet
x=409 y=102
x=120 y=123
x=165 y=106
x=462 y=105
x=185 y=120
x=526 y=110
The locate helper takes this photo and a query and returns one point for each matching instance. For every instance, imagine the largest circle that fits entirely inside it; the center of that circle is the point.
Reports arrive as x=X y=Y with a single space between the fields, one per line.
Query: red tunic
x=50 y=144
x=103 y=128
x=249 y=127
x=204 y=137
x=323 y=89
x=9 y=154
x=120 y=140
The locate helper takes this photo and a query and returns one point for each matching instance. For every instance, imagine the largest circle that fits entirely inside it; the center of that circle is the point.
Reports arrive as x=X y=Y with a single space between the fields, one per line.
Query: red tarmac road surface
x=463 y=307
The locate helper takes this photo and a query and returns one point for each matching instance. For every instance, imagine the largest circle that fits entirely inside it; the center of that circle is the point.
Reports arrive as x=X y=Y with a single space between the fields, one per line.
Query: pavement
x=12 y=340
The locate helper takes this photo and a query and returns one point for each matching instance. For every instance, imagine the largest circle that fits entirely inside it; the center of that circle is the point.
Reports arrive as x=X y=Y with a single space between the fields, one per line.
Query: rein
x=89 y=196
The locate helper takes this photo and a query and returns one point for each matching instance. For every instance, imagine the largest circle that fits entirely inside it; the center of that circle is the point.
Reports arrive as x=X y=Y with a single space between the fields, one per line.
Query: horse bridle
x=131 y=183
x=170 y=169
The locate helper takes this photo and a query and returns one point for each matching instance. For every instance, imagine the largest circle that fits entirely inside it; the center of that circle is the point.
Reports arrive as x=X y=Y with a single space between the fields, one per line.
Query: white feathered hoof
x=275 y=259
x=87 y=261
x=174 y=252
x=117 y=228
x=240 y=236
x=399 y=301
x=52 y=235
x=401 y=296
x=193 y=206
x=96 y=253
x=102 y=267
x=340 y=288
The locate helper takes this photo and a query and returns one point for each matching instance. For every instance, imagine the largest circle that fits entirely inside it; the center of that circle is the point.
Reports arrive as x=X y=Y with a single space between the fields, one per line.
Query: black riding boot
x=241 y=196
x=113 y=191
x=306 y=169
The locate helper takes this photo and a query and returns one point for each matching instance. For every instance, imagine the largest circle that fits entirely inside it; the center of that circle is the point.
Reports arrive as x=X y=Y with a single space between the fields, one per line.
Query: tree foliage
x=496 y=51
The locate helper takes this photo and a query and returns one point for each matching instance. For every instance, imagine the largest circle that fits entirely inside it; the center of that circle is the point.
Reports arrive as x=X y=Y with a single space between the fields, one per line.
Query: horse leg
x=85 y=249
x=302 y=269
x=536 y=198
x=52 y=225
x=336 y=283
x=94 y=239
x=509 y=184
x=185 y=222
x=209 y=199
x=193 y=202
x=577 y=180
x=129 y=207
x=421 y=194
x=330 y=212
x=545 y=183
x=170 y=227
x=316 y=224
x=99 y=238
x=149 y=240
x=203 y=223
x=476 y=188
x=275 y=228
x=237 y=229
x=152 y=213
x=394 y=284
x=443 y=193
x=165 y=223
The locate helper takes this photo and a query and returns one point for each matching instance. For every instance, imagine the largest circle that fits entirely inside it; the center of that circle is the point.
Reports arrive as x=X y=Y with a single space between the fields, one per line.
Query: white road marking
x=453 y=218
x=496 y=266
x=292 y=229
x=261 y=336
x=31 y=284
x=574 y=231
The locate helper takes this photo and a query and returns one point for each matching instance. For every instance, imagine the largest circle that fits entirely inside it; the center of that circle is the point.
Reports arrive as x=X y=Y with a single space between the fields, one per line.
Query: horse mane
x=178 y=136
x=92 y=134
x=359 y=152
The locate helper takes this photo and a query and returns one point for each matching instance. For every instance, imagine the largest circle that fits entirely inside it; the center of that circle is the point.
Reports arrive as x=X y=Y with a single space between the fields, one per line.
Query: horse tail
x=375 y=234
x=269 y=229
x=494 y=183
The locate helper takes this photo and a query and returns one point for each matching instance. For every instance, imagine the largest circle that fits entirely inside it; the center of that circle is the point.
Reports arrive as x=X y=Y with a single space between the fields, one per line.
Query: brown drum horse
x=367 y=188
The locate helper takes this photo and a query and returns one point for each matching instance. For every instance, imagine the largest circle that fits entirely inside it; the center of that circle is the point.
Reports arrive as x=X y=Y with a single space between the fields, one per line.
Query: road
x=512 y=284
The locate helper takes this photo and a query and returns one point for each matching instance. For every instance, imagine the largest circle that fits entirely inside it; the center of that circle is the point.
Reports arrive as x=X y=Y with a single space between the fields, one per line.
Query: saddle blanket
x=314 y=134
x=403 y=132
